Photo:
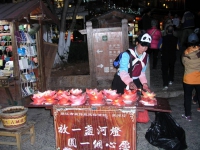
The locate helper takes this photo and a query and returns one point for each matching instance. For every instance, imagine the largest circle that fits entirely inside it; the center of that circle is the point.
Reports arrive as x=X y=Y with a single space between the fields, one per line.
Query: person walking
x=187 y=24
x=133 y=76
x=176 y=21
x=191 y=78
x=145 y=23
x=156 y=35
x=168 y=45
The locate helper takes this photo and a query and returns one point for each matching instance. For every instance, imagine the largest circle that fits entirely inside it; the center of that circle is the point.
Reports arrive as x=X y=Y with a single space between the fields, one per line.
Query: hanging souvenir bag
x=18 y=36
x=33 y=50
x=24 y=93
x=28 y=51
x=29 y=90
x=23 y=36
x=32 y=76
x=29 y=38
x=21 y=51
x=23 y=63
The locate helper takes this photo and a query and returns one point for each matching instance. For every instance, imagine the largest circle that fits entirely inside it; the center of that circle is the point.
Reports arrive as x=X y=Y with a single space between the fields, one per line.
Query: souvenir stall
x=22 y=58
x=99 y=119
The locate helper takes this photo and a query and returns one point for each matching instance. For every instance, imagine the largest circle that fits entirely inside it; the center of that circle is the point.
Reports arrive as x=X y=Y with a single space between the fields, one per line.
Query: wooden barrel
x=14 y=116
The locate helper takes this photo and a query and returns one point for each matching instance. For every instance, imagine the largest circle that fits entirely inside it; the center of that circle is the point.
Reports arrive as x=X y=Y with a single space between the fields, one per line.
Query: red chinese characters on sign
x=86 y=129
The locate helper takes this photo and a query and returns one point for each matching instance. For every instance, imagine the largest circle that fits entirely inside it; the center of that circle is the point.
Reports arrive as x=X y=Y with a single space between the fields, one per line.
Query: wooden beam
x=16 y=72
x=40 y=52
x=92 y=61
x=125 y=40
x=99 y=30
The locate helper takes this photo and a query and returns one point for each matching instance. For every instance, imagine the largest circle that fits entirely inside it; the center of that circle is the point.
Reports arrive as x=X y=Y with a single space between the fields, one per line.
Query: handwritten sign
x=100 y=128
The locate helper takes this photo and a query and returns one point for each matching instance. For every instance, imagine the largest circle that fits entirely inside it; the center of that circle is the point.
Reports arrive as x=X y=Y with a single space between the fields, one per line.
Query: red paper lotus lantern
x=118 y=102
x=49 y=94
x=64 y=101
x=75 y=91
x=110 y=94
x=77 y=100
x=148 y=94
x=38 y=98
x=62 y=94
x=95 y=96
x=129 y=96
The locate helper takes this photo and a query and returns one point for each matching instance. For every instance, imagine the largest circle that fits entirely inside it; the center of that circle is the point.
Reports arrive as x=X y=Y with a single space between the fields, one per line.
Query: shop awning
x=33 y=8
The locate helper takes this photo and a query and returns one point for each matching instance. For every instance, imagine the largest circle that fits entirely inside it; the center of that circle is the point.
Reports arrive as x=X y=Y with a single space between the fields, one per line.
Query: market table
x=106 y=126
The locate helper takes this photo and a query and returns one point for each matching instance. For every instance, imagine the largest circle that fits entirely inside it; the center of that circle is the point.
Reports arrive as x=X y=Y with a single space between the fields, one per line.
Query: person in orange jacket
x=191 y=78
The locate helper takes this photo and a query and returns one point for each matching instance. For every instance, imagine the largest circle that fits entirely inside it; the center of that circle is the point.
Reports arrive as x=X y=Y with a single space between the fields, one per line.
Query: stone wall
x=82 y=82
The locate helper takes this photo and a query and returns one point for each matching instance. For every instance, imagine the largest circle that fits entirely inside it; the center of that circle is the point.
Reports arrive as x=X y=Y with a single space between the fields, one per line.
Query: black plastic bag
x=166 y=133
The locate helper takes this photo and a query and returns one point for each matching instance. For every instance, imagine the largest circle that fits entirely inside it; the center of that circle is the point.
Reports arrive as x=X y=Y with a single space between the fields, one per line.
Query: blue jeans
x=188 y=88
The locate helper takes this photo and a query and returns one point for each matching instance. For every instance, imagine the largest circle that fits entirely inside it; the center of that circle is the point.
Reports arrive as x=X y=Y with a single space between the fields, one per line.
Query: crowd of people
x=152 y=41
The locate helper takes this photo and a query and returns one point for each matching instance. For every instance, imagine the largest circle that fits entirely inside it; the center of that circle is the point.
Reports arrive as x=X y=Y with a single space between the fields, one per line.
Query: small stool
x=28 y=128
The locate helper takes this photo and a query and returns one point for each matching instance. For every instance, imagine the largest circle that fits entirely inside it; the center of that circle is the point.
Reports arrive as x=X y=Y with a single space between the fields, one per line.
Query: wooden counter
x=75 y=126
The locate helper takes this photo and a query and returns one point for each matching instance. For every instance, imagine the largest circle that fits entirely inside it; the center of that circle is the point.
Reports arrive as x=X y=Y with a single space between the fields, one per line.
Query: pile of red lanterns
x=94 y=97
x=72 y=97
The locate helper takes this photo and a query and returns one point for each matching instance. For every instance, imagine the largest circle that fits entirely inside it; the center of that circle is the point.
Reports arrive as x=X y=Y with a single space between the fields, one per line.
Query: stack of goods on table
x=93 y=97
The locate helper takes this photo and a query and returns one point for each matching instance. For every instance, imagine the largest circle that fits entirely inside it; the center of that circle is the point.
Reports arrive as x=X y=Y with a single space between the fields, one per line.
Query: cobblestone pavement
x=44 y=125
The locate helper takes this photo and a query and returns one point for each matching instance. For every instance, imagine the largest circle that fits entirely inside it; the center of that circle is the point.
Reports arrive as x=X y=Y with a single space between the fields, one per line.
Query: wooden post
x=13 y=27
x=16 y=72
x=41 y=73
x=125 y=40
x=92 y=62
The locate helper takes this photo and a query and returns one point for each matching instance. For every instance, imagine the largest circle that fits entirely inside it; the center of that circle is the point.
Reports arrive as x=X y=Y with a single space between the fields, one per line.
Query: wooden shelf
x=4 y=22
x=4 y=34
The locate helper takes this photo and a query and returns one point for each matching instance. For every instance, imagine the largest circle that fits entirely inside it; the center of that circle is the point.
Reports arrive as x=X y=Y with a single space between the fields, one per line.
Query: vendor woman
x=133 y=77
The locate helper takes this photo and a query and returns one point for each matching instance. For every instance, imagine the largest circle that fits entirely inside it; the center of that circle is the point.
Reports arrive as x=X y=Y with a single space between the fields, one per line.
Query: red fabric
x=155 y=37
x=142 y=116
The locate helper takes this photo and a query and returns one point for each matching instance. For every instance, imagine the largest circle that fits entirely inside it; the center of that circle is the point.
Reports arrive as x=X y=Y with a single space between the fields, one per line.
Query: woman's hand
x=146 y=87
x=132 y=86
